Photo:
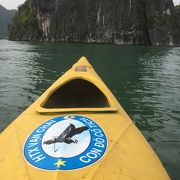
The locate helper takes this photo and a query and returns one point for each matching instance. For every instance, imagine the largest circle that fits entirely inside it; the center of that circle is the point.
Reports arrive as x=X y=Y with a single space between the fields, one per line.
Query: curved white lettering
x=85 y=159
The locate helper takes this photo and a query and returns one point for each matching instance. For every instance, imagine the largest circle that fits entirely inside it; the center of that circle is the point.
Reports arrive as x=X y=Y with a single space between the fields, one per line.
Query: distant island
x=141 y=22
x=5 y=18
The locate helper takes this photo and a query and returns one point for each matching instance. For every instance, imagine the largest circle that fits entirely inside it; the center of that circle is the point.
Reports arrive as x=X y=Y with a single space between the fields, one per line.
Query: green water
x=146 y=81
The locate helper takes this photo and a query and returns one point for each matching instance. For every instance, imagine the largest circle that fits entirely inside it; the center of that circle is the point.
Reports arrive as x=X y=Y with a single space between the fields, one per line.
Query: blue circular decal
x=65 y=143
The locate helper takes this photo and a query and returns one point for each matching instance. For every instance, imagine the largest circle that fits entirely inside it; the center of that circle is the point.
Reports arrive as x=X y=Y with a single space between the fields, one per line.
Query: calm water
x=146 y=80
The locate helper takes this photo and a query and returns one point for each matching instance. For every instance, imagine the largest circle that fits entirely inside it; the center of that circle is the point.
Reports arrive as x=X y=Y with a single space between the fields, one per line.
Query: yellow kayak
x=77 y=130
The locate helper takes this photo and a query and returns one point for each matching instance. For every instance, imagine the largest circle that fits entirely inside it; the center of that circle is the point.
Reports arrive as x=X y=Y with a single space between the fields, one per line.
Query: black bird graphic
x=66 y=135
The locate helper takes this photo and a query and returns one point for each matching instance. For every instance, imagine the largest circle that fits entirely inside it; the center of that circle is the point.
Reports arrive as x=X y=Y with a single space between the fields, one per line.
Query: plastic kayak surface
x=77 y=130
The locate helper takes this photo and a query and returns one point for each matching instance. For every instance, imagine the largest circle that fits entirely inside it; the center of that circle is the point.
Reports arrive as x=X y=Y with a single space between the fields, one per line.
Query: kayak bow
x=77 y=130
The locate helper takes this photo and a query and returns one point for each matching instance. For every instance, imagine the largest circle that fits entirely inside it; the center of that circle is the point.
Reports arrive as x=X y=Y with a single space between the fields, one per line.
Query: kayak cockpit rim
x=77 y=94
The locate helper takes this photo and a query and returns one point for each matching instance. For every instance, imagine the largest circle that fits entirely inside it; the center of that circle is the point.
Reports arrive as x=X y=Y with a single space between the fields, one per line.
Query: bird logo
x=66 y=136
x=65 y=143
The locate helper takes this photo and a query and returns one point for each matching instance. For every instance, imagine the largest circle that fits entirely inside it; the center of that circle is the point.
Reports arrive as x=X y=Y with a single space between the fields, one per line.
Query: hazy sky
x=176 y=2
x=13 y=4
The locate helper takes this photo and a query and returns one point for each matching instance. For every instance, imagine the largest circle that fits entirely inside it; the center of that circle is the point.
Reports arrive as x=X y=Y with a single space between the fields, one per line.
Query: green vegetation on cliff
x=177 y=12
x=24 y=25
x=147 y=22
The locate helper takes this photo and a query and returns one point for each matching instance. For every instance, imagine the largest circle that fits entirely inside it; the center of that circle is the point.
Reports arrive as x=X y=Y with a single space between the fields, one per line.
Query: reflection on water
x=146 y=80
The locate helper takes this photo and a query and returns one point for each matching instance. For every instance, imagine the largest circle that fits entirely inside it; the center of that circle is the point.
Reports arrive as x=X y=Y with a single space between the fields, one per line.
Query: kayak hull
x=125 y=155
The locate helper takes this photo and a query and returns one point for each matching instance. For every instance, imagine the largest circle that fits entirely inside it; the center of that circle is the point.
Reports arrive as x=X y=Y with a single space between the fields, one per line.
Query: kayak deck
x=113 y=146
x=80 y=89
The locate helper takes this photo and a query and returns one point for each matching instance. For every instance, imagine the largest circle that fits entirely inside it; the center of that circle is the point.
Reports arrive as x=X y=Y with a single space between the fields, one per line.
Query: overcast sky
x=176 y=2
x=13 y=4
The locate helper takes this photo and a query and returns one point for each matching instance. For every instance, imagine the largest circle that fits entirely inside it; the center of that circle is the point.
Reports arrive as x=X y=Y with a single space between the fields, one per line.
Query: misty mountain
x=5 y=18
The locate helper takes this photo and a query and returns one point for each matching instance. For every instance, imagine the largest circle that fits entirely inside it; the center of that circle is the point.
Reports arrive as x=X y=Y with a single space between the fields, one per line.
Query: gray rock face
x=143 y=22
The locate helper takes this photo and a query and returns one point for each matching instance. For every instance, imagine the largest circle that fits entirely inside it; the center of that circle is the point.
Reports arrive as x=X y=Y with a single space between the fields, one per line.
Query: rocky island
x=142 y=22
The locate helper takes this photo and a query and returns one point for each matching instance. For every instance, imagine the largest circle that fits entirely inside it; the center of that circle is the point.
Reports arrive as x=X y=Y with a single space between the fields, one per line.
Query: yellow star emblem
x=60 y=163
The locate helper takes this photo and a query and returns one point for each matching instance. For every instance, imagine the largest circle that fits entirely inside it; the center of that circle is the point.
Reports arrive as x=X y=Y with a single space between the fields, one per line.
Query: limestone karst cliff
x=146 y=22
